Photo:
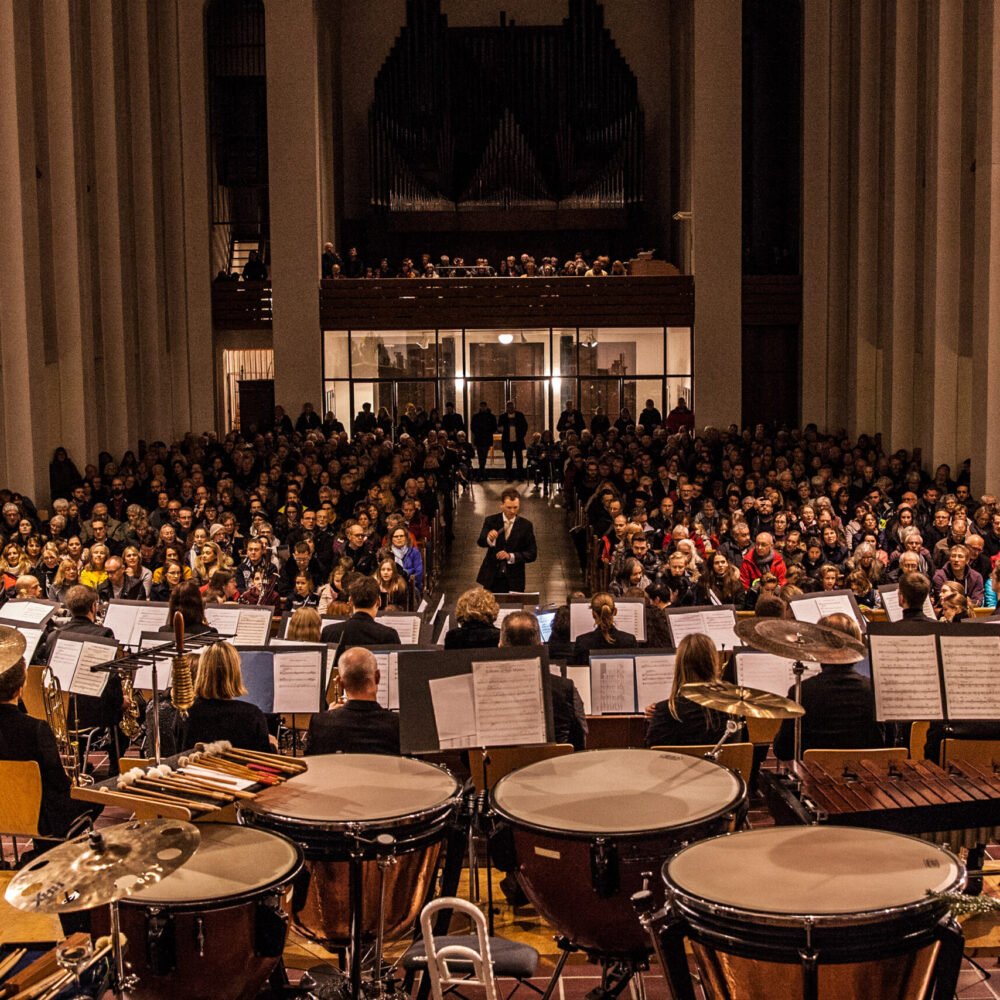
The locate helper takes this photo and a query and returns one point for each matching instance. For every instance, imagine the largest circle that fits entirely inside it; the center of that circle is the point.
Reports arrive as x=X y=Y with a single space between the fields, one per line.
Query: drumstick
x=228 y=789
x=166 y=785
x=197 y=788
x=237 y=771
x=271 y=760
x=162 y=799
x=11 y=960
x=62 y=977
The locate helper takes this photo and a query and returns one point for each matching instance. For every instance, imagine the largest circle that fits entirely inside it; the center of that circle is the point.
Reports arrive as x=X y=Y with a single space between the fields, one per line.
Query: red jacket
x=750 y=570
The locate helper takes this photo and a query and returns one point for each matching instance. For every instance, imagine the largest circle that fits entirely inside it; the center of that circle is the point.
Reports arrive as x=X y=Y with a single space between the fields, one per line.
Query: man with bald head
x=762 y=558
x=359 y=724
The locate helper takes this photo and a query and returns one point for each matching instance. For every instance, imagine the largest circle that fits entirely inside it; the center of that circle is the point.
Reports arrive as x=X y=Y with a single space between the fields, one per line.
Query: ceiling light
x=506 y=338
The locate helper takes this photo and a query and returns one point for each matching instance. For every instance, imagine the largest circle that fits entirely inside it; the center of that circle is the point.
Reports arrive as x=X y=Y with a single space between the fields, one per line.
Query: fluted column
x=293 y=172
x=863 y=325
x=986 y=305
x=23 y=463
x=898 y=346
x=942 y=250
x=718 y=211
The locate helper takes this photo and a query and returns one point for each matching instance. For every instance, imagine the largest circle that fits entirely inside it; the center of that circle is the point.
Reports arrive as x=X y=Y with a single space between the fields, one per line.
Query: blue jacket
x=413 y=564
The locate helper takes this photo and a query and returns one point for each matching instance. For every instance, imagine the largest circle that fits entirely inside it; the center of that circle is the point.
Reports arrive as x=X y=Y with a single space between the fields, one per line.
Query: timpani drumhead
x=815 y=871
x=229 y=861
x=348 y=788
x=617 y=791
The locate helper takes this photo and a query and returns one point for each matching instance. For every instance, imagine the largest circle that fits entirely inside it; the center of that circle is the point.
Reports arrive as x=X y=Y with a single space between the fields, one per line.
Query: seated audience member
x=605 y=635
x=839 y=704
x=186 y=598
x=119 y=586
x=305 y=625
x=221 y=587
x=361 y=627
x=762 y=558
x=568 y=715
x=913 y=590
x=957 y=570
x=955 y=606
x=678 y=721
x=67 y=577
x=216 y=714
x=304 y=596
x=25 y=738
x=475 y=613
x=334 y=589
x=360 y=724
x=408 y=558
x=393 y=591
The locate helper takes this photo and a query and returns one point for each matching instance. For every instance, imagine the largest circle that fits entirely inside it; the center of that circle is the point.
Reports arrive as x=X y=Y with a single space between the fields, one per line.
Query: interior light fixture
x=506 y=338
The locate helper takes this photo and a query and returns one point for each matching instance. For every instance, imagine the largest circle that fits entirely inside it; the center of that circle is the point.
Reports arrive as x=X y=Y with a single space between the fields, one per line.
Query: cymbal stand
x=384 y=862
x=732 y=728
x=798 y=669
x=156 y=715
x=121 y=982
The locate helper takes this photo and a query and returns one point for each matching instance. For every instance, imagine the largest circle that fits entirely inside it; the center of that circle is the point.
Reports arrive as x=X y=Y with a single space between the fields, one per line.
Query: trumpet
x=67 y=739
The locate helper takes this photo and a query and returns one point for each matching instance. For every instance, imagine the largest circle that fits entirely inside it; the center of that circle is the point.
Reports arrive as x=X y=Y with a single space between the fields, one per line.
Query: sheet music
x=225 y=620
x=509 y=702
x=83 y=680
x=580 y=619
x=446 y=625
x=970 y=665
x=631 y=617
x=253 y=627
x=422 y=606
x=63 y=660
x=769 y=673
x=408 y=627
x=164 y=671
x=29 y=612
x=503 y=614
x=905 y=678
x=719 y=626
x=612 y=685
x=298 y=679
x=890 y=601
x=454 y=703
x=812 y=608
x=32 y=636
x=388 y=682
x=580 y=676
x=654 y=679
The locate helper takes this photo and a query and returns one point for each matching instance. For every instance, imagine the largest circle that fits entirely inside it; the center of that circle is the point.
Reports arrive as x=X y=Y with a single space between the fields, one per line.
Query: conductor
x=509 y=541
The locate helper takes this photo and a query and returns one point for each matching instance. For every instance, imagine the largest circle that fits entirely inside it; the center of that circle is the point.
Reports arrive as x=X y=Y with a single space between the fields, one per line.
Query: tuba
x=67 y=740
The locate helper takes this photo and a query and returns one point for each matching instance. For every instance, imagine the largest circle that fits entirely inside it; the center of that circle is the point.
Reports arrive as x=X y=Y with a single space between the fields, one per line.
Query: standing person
x=483 y=426
x=513 y=428
x=509 y=541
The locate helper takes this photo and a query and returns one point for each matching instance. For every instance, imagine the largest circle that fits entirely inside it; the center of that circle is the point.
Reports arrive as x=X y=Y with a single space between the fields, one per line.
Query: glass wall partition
x=417 y=372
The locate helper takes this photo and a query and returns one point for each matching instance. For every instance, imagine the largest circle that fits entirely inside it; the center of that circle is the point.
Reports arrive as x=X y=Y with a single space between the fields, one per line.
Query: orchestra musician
x=216 y=714
x=604 y=635
x=361 y=628
x=106 y=710
x=359 y=724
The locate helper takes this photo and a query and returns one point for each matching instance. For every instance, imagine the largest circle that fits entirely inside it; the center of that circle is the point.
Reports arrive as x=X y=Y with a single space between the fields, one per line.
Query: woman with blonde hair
x=93 y=573
x=67 y=575
x=678 y=721
x=605 y=635
x=216 y=714
x=475 y=613
x=954 y=602
x=305 y=625
x=135 y=570
x=208 y=559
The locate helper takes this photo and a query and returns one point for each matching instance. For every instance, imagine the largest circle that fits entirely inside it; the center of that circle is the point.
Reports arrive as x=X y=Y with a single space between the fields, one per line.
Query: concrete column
x=293 y=170
x=816 y=211
x=117 y=415
x=986 y=305
x=77 y=429
x=153 y=411
x=718 y=211
x=942 y=229
x=899 y=340
x=863 y=329
x=23 y=458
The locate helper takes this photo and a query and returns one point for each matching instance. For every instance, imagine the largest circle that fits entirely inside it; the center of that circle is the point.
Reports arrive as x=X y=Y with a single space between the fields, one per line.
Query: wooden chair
x=984 y=754
x=736 y=756
x=503 y=760
x=834 y=761
x=21 y=801
x=918 y=737
x=762 y=730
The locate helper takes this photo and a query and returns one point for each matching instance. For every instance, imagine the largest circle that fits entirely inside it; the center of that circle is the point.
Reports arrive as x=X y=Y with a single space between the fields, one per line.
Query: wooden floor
x=555 y=574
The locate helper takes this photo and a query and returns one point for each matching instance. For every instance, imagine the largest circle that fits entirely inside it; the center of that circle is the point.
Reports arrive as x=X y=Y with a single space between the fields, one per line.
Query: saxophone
x=130 y=717
x=67 y=740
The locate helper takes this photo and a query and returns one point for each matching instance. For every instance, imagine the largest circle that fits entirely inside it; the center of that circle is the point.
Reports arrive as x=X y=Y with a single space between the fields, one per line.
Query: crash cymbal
x=12 y=647
x=100 y=867
x=800 y=640
x=733 y=699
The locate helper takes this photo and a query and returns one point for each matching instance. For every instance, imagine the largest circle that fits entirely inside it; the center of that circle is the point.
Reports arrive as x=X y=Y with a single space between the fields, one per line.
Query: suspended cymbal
x=733 y=699
x=12 y=647
x=97 y=868
x=800 y=640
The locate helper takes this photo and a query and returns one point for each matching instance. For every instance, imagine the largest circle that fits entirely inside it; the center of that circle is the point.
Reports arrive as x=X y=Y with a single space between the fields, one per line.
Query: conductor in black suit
x=513 y=429
x=361 y=629
x=509 y=541
x=361 y=724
